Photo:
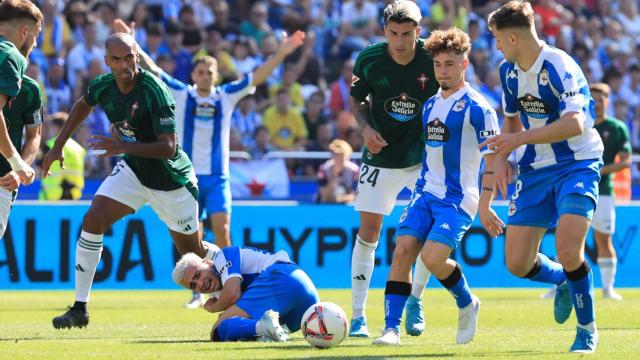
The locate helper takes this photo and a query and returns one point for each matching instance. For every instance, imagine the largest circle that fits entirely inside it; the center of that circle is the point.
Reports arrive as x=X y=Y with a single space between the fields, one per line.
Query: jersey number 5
x=372 y=178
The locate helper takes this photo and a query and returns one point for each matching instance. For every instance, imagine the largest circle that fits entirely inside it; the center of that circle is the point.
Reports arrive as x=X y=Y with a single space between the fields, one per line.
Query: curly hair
x=514 y=14
x=452 y=40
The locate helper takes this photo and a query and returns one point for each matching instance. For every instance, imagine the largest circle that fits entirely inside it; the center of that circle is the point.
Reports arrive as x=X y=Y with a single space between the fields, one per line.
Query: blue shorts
x=541 y=195
x=430 y=218
x=215 y=195
x=284 y=288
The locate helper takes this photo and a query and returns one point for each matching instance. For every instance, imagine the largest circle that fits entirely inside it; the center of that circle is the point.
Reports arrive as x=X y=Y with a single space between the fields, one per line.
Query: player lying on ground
x=258 y=291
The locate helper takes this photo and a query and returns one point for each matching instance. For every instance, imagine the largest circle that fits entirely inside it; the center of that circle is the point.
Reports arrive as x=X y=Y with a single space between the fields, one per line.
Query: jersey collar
x=456 y=95
x=537 y=65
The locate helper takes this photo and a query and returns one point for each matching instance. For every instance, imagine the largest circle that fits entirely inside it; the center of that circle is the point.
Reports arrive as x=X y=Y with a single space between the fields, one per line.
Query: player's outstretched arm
x=289 y=44
x=231 y=292
x=163 y=148
x=490 y=221
x=22 y=169
x=78 y=114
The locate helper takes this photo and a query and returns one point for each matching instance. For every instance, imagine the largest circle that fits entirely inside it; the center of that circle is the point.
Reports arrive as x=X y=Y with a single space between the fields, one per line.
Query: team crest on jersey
x=134 y=109
x=437 y=133
x=205 y=112
x=402 y=107
x=543 y=78
x=533 y=107
x=125 y=132
x=422 y=80
x=512 y=208
x=459 y=105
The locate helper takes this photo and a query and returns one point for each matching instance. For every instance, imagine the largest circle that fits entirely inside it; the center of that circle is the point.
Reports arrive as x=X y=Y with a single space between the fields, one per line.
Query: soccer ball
x=324 y=325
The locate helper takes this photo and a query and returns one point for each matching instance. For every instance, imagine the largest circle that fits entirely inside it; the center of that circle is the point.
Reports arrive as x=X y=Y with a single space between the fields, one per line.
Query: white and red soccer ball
x=324 y=325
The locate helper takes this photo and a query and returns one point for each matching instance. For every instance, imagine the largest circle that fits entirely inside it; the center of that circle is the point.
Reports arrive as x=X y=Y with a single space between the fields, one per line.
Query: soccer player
x=20 y=24
x=446 y=196
x=391 y=80
x=258 y=291
x=548 y=109
x=616 y=157
x=24 y=115
x=203 y=123
x=153 y=170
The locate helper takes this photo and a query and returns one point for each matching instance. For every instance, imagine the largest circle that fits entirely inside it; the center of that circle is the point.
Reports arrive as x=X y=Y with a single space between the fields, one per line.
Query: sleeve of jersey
x=163 y=110
x=360 y=88
x=571 y=85
x=233 y=265
x=95 y=89
x=172 y=83
x=238 y=89
x=10 y=77
x=509 y=105
x=485 y=123
x=33 y=115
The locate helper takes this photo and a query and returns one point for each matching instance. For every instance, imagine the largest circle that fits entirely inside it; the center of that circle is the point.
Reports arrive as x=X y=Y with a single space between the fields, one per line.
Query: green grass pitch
x=154 y=325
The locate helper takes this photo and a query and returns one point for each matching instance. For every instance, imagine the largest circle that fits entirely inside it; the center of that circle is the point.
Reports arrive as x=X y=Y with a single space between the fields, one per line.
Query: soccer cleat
x=550 y=294
x=585 y=342
x=197 y=300
x=73 y=317
x=562 y=304
x=359 y=327
x=389 y=337
x=270 y=322
x=468 y=321
x=612 y=294
x=415 y=317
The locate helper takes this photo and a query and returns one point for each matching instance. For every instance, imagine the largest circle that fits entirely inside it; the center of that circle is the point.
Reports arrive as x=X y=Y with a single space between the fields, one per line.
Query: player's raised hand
x=291 y=43
x=119 y=26
x=51 y=156
x=490 y=221
x=373 y=140
x=10 y=181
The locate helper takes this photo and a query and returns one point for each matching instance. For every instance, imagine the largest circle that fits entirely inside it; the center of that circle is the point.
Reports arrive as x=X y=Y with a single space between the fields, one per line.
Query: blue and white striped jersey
x=244 y=262
x=203 y=123
x=553 y=86
x=452 y=129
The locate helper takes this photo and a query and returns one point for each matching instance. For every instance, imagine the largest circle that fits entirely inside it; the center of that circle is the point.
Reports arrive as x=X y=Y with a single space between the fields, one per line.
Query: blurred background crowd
x=310 y=91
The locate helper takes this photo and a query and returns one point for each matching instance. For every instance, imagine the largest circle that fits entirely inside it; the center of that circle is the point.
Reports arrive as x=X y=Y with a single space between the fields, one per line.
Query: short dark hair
x=514 y=14
x=20 y=9
x=402 y=11
x=452 y=40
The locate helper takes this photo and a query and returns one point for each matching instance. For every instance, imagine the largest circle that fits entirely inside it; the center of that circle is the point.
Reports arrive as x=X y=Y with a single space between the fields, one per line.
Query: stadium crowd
x=304 y=104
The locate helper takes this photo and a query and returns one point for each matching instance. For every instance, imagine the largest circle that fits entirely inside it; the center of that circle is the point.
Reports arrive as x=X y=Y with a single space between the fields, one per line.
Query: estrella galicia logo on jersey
x=543 y=78
x=437 y=133
x=125 y=132
x=533 y=107
x=402 y=107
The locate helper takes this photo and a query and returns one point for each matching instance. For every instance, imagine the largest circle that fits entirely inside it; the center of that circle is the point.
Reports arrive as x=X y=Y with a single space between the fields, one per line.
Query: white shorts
x=176 y=208
x=604 y=217
x=6 y=200
x=378 y=188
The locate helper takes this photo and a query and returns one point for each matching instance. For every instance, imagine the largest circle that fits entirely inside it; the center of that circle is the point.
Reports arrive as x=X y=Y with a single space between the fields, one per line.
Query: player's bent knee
x=95 y=223
x=519 y=268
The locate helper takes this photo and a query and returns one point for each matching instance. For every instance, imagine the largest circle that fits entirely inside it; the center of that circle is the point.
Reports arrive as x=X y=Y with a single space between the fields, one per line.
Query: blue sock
x=546 y=271
x=580 y=283
x=458 y=287
x=395 y=297
x=236 y=329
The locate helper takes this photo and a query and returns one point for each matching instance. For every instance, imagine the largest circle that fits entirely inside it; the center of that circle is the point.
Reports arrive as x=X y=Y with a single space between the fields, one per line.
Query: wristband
x=17 y=163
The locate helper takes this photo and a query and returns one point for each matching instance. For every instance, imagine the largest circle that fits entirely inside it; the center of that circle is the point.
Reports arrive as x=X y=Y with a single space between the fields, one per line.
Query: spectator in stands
x=339 y=99
x=154 y=41
x=257 y=26
x=338 y=177
x=358 y=28
x=214 y=46
x=180 y=55
x=191 y=29
x=57 y=89
x=81 y=54
x=285 y=124
x=77 y=14
x=289 y=84
x=235 y=140
x=324 y=133
x=223 y=23
x=140 y=17
x=67 y=183
x=353 y=136
x=314 y=114
x=260 y=144
x=245 y=118
x=105 y=12
x=553 y=15
x=55 y=37
x=628 y=16
x=447 y=13
x=242 y=55
x=308 y=66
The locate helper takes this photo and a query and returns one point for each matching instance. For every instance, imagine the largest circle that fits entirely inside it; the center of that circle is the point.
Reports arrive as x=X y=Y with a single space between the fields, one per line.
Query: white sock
x=420 y=278
x=88 y=251
x=362 y=262
x=260 y=331
x=591 y=327
x=607 y=272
